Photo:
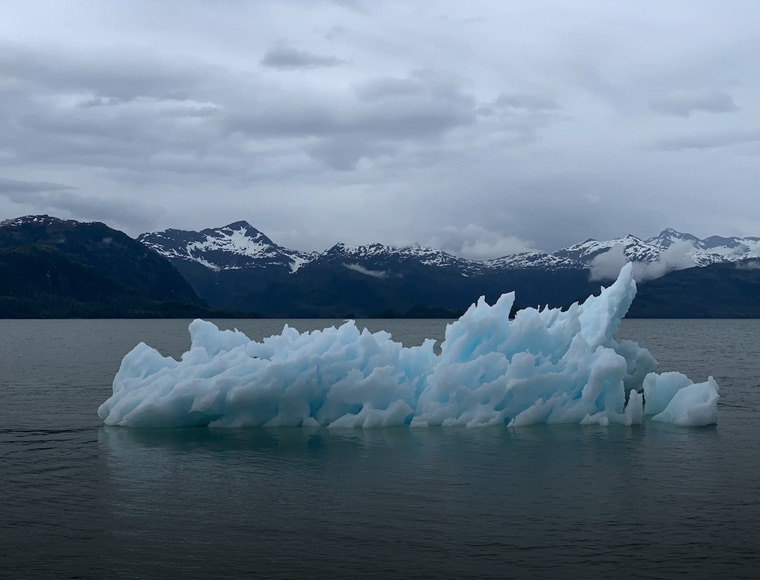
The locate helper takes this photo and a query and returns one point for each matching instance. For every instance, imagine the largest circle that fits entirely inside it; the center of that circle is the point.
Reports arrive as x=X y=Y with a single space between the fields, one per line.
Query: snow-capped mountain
x=379 y=257
x=634 y=249
x=712 y=250
x=238 y=268
x=241 y=246
x=235 y=246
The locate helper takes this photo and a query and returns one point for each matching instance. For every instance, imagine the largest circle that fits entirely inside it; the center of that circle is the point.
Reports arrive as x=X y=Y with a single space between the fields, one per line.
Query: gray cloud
x=387 y=113
x=16 y=190
x=708 y=141
x=56 y=198
x=530 y=102
x=204 y=124
x=540 y=130
x=423 y=113
x=122 y=76
x=99 y=102
x=288 y=58
x=343 y=154
x=684 y=103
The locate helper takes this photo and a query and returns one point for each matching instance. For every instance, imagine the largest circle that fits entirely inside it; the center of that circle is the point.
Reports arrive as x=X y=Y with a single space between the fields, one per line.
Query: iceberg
x=544 y=366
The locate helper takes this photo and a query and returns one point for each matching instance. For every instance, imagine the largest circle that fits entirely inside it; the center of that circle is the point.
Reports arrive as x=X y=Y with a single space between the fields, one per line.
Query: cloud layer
x=476 y=125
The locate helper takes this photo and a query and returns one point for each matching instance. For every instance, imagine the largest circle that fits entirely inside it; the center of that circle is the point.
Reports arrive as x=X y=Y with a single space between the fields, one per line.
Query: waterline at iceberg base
x=545 y=366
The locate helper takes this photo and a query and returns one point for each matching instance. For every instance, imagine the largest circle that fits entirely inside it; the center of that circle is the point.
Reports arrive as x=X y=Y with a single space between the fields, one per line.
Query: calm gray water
x=78 y=500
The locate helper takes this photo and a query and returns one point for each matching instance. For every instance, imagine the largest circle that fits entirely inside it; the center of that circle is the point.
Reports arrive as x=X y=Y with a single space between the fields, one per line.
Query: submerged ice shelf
x=545 y=366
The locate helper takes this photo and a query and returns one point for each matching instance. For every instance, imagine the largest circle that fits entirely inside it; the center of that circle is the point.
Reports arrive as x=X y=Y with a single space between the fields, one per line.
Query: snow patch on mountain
x=235 y=246
x=42 y=219
x=236 y=241
x=534 y=260
x=382 y=255
x=300 y=260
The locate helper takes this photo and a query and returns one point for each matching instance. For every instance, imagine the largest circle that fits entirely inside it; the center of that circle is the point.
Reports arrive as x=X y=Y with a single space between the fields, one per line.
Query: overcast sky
x=481 y=127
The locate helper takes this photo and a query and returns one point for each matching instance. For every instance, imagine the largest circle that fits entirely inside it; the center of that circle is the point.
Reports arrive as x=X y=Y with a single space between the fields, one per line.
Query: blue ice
x=545 y=366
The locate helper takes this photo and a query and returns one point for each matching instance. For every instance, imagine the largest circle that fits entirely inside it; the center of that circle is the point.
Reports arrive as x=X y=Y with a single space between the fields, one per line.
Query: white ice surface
x=689 y=406
x=545 y=366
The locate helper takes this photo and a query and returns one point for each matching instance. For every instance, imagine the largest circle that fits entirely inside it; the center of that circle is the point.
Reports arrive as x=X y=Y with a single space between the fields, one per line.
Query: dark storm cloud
x=708 y=141
x=684 y=103
x=288 y=58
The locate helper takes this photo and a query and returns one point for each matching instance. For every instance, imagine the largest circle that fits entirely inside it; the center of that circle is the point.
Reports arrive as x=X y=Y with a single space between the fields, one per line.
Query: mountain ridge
x=238 y=269
x=217 y=249
x=240 y=243
x=377 y=279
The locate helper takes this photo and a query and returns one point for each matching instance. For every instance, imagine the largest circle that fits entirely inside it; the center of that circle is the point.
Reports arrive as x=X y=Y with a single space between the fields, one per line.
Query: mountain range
x=237 y=266
x=240 y=246
x=53 y=267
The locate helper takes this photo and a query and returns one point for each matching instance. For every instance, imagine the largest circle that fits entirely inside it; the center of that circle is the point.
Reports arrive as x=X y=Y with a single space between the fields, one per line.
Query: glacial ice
x=545 y=366
x=676 y=400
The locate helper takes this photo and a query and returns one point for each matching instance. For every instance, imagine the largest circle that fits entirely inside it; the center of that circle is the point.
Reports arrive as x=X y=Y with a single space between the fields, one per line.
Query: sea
x=81 y=500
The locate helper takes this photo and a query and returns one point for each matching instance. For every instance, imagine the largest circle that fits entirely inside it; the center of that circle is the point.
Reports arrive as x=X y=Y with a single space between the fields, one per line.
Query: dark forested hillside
x=61 y=268
x=716 y=291
x=331 y=290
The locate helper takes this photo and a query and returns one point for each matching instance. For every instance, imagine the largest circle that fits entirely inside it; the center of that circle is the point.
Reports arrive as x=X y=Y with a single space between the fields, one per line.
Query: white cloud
x=477 y=243
x=607 y=266
x=367 y=272
x=748 y=265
